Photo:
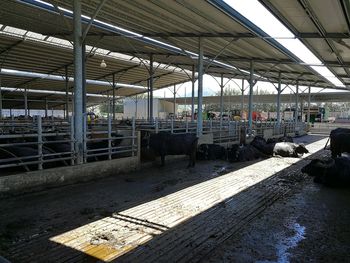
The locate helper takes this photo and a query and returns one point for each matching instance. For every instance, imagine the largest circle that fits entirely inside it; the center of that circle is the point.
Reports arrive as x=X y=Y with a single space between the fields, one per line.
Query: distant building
x=138 y=108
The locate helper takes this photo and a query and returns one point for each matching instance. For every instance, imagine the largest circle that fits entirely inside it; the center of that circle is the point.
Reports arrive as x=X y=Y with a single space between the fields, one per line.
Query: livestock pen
x=168 y=214
x=39 y=144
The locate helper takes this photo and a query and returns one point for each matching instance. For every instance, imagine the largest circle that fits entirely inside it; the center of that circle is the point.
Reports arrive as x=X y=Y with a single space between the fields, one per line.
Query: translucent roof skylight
x=262 y=18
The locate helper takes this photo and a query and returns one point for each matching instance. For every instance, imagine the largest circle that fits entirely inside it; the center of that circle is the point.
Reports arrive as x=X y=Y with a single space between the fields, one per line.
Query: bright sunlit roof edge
x=250 y=8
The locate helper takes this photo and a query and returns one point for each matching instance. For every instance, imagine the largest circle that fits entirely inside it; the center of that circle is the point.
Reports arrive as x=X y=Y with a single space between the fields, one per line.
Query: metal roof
x=323 y=26
x=25 y=54
x=228 y=37
x=37 y=100
x=270 y=98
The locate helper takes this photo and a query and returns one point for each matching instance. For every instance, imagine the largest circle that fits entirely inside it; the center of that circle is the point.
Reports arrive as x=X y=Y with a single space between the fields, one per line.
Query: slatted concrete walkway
x=180 y=227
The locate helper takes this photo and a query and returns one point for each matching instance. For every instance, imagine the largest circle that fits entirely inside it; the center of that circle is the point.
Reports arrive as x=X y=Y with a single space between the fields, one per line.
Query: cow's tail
x=326 y=144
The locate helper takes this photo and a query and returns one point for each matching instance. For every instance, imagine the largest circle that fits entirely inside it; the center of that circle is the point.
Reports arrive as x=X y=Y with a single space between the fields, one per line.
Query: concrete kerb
x=38 y=180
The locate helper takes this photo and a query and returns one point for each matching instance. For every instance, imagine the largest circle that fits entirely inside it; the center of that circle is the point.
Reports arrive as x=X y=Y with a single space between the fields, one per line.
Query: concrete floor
x=310 y=224
x=215 y=212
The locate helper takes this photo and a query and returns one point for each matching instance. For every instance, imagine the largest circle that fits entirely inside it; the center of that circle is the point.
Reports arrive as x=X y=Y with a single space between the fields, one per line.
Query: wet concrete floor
x=309 y=224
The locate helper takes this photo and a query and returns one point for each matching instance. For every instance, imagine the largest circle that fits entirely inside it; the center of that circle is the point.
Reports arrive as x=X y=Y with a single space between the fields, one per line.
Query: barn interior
x=117 y=205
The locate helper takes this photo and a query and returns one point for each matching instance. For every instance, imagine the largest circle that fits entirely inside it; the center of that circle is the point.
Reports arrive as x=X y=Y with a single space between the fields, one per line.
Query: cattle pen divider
x=40 y=143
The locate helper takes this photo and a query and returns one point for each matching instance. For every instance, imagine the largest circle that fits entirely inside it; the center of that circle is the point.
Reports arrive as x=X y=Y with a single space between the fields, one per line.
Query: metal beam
x=92 y=19
x=0 y=100
x=346 y=10
x=151 y=72
x=118 y=71
x=174 y=105
x=310 y=12
x=221 y=98
x=11 y=47
x=83 y=63
x=78 y=89
x=113 y=98
x=25 y=103
x=67 y=91
x=242 y=100
x=200 y=88
x=279 y=90
x=308 y=106
x=250 y=104
x=311 y=35
x=192 y=95
x=46 y=108
x=296 y=103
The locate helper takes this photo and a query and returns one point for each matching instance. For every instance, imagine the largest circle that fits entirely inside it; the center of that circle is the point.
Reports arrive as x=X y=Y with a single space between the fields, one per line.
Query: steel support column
x=46 y=108
x=136 y=101
x=242 y=101
x=151 y=87
x=148 y=115
x=67 y=88
x=221 y=99
x=78 y=83
x=174 y=101
x=296 y=103
x=0 y=101
x=250 y=106
x=25 y=103
x=113 y=97
x=83 y=57
x=308 y=106
x=200 y=89
x=192 y=97
x=279 y=100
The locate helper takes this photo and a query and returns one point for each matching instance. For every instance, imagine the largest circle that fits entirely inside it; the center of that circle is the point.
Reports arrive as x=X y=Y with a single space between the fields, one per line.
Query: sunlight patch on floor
x=115 y=235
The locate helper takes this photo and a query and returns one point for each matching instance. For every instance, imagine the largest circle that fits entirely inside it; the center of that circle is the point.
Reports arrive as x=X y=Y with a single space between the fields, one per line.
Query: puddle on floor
x=285 y=243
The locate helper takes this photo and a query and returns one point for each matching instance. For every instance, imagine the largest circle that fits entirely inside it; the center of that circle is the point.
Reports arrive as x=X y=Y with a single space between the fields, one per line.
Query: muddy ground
x=309 y=224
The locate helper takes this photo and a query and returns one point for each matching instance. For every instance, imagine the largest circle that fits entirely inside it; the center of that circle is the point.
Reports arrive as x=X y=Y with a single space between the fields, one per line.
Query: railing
x=225 y=131
x=43 y=143
x=37 y=143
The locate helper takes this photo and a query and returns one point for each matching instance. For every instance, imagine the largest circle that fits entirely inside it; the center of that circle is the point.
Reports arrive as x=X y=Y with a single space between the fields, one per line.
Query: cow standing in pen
x=339 y=141
x=165 y=143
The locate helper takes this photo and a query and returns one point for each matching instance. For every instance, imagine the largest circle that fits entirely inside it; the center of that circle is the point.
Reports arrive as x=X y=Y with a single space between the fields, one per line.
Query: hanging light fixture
x=103 y=64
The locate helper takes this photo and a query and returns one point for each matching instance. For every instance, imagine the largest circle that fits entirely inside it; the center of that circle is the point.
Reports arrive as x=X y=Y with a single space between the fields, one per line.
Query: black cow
x=165 y=143
x=336 y=131
x=211 y=152
x=58 y=144
x=339 y=141
x=280 y=139
x=330 y=172
x=284 y=149
x=15 y=154
x=243 y=153
x=261 y=144
x=289 y=149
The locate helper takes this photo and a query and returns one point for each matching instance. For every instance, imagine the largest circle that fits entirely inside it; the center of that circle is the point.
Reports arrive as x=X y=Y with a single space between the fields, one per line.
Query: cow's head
x=317 y=167
x=301 y=149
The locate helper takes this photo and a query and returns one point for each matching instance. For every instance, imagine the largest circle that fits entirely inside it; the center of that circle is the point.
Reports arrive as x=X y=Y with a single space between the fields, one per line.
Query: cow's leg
x=192 y=160
x=162 y=158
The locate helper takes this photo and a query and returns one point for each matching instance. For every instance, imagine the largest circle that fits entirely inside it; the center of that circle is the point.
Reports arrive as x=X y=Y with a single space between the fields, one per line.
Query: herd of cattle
x=164 y=143
x=333 y=172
